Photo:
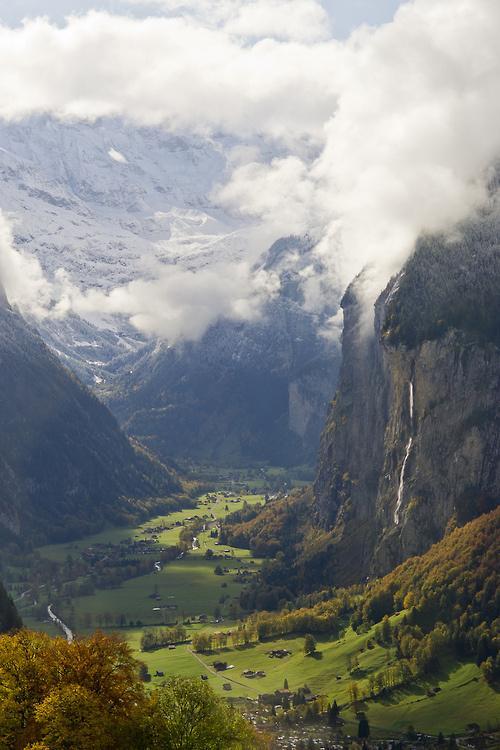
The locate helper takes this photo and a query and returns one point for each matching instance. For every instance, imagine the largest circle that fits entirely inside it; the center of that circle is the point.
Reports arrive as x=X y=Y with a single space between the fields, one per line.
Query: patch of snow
x=117 y=156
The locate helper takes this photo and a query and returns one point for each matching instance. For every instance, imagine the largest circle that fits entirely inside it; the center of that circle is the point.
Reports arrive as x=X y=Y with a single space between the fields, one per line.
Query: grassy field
x=192 y=585
x=260 y=477
x=464 y=696
x=59 y=552
x=189 y=583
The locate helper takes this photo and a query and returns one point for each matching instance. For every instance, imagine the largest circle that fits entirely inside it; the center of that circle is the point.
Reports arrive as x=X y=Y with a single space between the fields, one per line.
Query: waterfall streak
x=405 y=461
x=402 y=481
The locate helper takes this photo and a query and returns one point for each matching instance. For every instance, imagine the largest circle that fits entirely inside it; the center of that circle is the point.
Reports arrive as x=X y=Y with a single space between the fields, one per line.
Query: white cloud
x=415 y=130
x=407 y=149
x=172 y=71
x=21 y=274
x=176 y=304
x=298 y=20
x=403 y=119
x=279 y=193
x=180 y=304
x=301 y=20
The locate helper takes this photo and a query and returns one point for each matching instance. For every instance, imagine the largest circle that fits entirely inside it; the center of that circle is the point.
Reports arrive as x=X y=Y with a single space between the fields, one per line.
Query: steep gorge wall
x=411 y=445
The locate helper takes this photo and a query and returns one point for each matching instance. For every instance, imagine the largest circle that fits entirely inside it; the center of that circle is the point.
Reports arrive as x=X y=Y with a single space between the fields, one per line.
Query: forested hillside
x=449 y=285
x=450 y=597
x=65 y=466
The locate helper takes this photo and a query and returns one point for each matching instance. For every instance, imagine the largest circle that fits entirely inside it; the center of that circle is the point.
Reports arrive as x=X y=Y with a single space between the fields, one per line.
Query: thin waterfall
x=405 y=461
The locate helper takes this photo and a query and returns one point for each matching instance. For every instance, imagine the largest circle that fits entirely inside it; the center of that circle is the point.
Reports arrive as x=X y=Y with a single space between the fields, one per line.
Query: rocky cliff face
x=412 y=441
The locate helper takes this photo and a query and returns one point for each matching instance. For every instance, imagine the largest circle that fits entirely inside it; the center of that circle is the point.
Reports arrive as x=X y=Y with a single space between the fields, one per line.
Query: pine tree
x=333 y=714
x=309 y=645
x=363 y=728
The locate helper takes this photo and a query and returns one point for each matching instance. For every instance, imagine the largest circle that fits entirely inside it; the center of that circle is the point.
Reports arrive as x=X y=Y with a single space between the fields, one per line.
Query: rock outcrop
x=9 y=617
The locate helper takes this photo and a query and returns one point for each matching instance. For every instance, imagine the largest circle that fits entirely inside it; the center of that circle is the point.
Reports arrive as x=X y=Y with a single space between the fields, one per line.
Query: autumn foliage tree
x=88 y=695
x=51 y=690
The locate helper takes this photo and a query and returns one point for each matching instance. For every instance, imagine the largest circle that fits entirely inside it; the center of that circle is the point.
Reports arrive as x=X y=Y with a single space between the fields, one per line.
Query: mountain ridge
x=65 y=466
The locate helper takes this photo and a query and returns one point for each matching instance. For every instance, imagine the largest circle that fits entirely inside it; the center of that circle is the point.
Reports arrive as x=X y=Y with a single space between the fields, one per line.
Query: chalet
x=220 y=666
x=278 y=653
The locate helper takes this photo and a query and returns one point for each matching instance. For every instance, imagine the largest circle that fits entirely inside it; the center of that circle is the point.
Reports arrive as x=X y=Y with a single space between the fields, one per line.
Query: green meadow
x=463 y=697
x=188 y=583
x=191 y=584
x=219 y=509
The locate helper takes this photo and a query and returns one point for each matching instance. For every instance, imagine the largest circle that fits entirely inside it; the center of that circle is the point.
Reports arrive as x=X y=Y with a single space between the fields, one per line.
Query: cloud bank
x=177 y=304
x=380 y=138
x=300 y=20
x=171 y=71
x=407 y=149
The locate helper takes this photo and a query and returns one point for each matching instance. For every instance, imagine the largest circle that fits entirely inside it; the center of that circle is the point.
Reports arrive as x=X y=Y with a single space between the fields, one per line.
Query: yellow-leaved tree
x=87 y=695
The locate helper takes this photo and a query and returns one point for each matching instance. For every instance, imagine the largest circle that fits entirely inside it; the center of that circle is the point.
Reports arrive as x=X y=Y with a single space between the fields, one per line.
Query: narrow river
x=60 y=624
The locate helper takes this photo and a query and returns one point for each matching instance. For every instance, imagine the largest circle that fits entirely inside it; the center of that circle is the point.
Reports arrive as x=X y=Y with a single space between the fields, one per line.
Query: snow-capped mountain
x=107 y=202
x=101 y=200
x=110 y=203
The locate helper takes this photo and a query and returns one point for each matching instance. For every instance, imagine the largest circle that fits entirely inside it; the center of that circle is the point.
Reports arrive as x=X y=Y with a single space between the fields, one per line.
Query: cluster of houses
x=278 y=653
x=126 y=548
x=251 y=675
x=285 y=697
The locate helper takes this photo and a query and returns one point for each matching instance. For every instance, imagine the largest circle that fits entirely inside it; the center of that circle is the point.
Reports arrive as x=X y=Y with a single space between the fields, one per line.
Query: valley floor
x=185 y=589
